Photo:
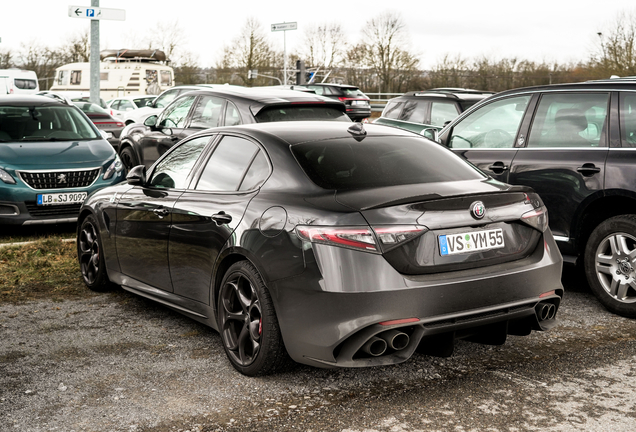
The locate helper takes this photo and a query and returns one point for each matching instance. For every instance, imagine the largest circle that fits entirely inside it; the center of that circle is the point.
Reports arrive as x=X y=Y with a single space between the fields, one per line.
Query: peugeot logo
x=478 y=209
x=61 y=178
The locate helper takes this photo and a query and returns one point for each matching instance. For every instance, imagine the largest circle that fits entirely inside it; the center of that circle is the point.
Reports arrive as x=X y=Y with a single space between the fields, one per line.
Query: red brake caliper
x=260 y=325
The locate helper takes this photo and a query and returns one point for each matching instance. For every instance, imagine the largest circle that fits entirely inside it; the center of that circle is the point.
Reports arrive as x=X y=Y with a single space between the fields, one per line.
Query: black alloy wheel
x=90 y=256
x=247 y=323
x=128 y=158
x=610 y=264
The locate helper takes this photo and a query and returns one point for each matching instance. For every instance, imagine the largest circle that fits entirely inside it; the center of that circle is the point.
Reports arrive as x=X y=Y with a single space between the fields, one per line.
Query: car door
x=206 y=215
x=170 y=129
x=144 y=217
x=565 y=153
x=487 y=137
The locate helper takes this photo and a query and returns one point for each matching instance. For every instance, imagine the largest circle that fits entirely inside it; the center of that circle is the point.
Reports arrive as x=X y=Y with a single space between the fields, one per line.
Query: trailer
x=121 y=73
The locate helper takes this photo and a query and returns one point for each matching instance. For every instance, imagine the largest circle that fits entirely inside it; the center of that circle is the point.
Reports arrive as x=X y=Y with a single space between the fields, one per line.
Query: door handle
x=498 y=167
x=161 y=212
x=221 y=218
x=588 y=169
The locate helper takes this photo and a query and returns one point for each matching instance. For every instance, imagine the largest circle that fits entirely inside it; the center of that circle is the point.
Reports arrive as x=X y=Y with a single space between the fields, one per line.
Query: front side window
x=175 y=115
x=172 y=172
x=569 y=120
x=442 y=112
x=492 y=126
x=49 y=123
x=165 y=99
x=226 y=167
x=207 y=112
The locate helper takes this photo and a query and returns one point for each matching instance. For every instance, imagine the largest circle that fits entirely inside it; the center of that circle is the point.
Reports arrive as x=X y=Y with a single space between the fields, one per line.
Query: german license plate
x=360 y=103
x=61 y=198
x=472 y=241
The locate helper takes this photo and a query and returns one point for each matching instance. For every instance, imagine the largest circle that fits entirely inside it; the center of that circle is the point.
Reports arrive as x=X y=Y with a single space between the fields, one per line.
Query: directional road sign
x=285 y=26
x=95 y=13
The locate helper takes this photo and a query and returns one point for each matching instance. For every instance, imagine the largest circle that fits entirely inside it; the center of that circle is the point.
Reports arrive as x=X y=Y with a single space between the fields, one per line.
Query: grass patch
x=47 y=268
x=23 y=233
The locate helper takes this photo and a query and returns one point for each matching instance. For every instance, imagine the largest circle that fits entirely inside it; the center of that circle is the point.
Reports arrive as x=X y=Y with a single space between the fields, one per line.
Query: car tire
x=248 y=324
x=90 y=256
x=128 y=158
x=610 y=264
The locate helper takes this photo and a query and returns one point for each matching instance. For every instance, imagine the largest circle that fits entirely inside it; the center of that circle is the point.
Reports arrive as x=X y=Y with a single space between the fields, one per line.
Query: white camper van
x=18 y=81
x=121 y=73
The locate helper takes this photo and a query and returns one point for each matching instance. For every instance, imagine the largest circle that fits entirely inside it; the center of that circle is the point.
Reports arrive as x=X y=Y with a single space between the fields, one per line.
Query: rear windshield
x=380 y=161
x=300 y=113
x=49 y=123
x=90 y=108
x=25 y=84
x=352 y=92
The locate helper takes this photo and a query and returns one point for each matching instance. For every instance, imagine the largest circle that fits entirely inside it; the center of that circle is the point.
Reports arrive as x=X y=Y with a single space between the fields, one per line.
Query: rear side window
x=442 y=112
x=380 y=161
x=300 y=112
x=392 y=109
x=414 y=111
x=226 y=167
x=628 y=119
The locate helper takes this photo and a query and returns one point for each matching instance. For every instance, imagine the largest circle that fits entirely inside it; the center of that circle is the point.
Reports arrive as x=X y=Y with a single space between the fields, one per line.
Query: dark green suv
x=431 y=109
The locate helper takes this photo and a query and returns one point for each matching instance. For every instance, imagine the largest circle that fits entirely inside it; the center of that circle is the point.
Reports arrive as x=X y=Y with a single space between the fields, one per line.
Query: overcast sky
x=551 y=30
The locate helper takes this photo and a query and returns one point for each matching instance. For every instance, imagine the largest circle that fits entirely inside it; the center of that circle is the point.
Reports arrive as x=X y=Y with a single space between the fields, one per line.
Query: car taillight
x=394 y=235
x=376 y=240
x=537 y=218
x=348 y=237
x=109 y=124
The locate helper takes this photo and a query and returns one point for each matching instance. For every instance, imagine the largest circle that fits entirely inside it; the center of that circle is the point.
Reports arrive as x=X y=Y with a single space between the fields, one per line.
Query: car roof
x=333 y=85
x=291 y=133
x=30 y=100
x=448 y=93
x=627 y=83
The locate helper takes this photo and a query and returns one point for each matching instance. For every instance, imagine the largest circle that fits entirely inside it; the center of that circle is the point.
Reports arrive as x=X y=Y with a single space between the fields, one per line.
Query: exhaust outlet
x=395 y=339
x=545 y=311
x=374 y=346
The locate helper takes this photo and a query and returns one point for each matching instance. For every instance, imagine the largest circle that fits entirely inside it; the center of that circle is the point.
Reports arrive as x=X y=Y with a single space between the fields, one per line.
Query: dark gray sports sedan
x=335 y=245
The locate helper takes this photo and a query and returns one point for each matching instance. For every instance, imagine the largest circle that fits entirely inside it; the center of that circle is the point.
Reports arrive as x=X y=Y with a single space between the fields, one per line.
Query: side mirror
x=149 y=103
x=137 y=176
x=431 y=133
x=105 y=135
x=151 y=122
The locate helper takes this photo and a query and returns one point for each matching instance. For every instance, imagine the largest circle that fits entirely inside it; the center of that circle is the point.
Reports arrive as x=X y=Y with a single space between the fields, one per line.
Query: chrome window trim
x=561 y=238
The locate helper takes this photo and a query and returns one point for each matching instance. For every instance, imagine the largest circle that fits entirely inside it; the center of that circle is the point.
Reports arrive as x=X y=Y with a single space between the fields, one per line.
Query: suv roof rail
x=55 y=96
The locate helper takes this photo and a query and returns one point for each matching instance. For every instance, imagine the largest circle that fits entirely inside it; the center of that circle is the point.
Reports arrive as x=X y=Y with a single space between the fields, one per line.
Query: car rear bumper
x=331 y=311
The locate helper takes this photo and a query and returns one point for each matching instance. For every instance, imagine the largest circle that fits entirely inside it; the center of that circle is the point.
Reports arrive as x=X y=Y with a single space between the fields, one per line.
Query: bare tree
x=323 y=46
x=40 y=59
x=77 y=47
x=250 y=50
x=385 y=41
x=6 y=59
x=616 y=54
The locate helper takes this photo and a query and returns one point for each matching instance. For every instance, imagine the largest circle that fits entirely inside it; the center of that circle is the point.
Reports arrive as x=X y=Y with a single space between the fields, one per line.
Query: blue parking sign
x=90 y=12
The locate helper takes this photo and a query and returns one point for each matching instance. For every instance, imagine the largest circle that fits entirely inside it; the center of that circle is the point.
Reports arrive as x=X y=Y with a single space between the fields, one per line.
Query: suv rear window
x=300 y=113
x=352 y=92
x=380 y=161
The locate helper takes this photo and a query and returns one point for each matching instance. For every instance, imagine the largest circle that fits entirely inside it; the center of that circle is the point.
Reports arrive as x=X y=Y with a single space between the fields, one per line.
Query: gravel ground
x=117 y=362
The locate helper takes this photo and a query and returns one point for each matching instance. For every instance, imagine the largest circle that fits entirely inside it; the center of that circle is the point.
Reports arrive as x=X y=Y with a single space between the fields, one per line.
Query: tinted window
x=569 y=120
x=165 y=99
x=21 y=123
x=226 y=167
x=25 y=84
x=628 y=119
x=352 y=92
x=380 y=161
x=492 y=126
x=232 y=116
x=392 y=109
x=300 y=113
x=90 y=108
x=141 y=102
x=176 y=114
x=414 y=111
x=442 y=112
x=257 y=174
x=207 y=112
x=172 y=172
